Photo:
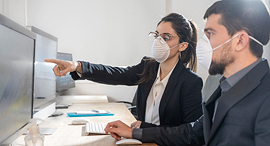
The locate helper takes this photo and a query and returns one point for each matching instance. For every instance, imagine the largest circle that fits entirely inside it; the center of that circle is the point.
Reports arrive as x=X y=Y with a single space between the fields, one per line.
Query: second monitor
x=44 y=81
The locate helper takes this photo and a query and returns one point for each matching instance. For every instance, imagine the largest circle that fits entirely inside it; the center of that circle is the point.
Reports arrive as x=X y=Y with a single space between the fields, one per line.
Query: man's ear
x=183 y=46
x=243 y=41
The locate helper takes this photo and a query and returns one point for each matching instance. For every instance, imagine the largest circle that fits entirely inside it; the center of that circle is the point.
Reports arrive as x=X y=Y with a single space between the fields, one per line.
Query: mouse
x=128 y=141
x=80 y=121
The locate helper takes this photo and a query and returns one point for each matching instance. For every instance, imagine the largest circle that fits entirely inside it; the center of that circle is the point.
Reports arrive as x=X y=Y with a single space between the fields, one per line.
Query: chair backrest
x=134 y=103
x=211 y=84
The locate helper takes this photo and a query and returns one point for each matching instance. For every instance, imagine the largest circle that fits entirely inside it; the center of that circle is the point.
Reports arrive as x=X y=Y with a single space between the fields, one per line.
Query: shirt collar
x=166 y=79
x=227 y=83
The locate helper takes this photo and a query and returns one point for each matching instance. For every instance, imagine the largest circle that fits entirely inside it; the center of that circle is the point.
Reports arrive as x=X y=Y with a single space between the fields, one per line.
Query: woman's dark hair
x=187 y=32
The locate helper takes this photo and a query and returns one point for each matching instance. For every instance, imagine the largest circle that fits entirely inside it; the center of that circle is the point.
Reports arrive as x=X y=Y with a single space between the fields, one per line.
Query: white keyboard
x=94 y=128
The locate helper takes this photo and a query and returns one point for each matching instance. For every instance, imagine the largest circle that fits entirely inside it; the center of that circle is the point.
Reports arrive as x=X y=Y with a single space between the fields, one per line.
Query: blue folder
x=74 y=114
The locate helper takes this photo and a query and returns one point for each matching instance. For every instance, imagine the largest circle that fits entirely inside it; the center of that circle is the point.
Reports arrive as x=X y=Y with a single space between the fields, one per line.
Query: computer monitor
x=64 y=82
x=44 y=81
x=16 y=83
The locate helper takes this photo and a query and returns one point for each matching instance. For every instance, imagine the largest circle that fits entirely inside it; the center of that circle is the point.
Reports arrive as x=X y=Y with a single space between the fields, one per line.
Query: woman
x=168 y=93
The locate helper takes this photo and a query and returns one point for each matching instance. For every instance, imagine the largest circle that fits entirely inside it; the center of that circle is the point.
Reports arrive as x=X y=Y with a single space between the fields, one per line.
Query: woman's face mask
x=160 y=49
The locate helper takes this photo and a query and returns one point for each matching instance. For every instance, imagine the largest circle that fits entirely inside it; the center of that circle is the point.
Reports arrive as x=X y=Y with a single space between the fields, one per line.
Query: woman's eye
x=166 y=38
x=156 y=35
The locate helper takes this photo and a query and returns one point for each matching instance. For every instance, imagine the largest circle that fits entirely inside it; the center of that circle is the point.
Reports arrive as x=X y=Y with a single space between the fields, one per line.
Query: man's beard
x=217 y=68
x=226 y=59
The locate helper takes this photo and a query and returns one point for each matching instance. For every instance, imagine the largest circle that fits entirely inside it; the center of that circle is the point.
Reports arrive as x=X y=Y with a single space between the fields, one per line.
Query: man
x=238 y=112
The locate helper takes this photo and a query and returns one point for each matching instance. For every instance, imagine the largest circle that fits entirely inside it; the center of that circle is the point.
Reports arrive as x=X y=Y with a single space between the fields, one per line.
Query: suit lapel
x=208 y=110
x=241 y=89
x=146 y=91
x=169 y=89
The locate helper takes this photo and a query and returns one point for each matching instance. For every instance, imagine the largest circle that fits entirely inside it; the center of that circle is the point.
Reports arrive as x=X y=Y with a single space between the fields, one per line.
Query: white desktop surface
x=82 y=99
x=73 y=135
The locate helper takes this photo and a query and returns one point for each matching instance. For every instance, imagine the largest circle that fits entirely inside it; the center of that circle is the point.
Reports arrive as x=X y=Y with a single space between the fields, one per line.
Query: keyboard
x=94 y=128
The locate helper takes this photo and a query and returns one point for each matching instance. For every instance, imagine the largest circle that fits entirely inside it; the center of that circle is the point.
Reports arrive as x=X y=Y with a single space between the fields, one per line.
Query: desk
x=72 y=135
x=82 y=99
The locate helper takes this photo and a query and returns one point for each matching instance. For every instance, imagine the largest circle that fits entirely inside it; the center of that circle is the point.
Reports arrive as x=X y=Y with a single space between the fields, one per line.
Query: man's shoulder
x=259 y=73
x=263 y=89
x=266 y=79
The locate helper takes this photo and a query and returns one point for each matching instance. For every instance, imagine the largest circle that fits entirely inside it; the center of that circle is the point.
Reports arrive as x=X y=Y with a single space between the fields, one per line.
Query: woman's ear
x=183 y=46
x=243 y=41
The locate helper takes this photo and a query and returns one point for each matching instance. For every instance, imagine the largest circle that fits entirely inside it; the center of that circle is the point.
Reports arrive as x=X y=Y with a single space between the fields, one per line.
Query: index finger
x=56 y=61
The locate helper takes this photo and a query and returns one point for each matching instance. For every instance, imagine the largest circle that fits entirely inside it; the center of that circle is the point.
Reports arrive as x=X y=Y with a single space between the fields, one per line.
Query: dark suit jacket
x=181 y=100
x=242 y=117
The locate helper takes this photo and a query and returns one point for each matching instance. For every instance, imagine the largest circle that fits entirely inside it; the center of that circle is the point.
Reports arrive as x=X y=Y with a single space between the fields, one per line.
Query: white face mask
x=204 y=50
x=160 y=49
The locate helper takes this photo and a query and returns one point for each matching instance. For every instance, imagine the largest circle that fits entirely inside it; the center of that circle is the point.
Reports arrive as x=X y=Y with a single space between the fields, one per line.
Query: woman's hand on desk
x=136 y=124
x=63 y=67
x=118 y=129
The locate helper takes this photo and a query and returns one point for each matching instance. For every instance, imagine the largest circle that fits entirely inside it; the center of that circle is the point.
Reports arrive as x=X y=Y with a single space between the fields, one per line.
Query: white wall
x=1 y=7
x=266 y=53
x=14 y=9
x=103 y=31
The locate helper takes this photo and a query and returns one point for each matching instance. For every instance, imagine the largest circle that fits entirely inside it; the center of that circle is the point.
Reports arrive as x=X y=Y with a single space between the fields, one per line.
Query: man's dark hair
x=251 y=16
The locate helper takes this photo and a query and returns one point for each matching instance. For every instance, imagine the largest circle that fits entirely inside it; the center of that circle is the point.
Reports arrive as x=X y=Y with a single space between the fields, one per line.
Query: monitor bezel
x=6 y=22
x=49 y=107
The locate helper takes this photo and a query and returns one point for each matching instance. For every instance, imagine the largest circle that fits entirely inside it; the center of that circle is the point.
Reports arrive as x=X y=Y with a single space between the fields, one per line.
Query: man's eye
x=208 y=34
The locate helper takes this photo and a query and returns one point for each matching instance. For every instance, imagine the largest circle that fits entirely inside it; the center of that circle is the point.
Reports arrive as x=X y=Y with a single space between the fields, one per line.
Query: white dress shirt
x=154 y=98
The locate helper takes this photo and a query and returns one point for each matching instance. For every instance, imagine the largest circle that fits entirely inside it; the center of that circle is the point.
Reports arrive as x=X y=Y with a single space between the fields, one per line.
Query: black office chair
x=132 y=105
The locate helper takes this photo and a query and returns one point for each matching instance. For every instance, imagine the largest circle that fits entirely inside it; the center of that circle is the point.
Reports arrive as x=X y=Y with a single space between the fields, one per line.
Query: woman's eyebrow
x=163 y=33
x=167 y=33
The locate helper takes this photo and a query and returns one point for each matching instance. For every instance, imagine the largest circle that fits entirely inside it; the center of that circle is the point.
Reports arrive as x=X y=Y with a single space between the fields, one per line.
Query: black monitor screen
x=65 y=82
x=16 y=81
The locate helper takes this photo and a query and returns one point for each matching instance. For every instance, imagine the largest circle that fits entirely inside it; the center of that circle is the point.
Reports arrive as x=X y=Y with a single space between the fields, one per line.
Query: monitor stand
x=61 y=106
x=56 y=113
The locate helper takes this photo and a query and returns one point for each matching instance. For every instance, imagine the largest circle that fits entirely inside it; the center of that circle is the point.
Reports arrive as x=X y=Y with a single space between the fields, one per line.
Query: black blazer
x=242 y=117
x=181 y=100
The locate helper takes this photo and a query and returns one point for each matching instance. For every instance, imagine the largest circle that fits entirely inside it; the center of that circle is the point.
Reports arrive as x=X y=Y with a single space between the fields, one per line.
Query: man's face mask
x=204 y=50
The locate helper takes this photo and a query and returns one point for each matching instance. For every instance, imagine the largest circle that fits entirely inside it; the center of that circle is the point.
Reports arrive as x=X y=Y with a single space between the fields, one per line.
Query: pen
x=95 y=111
